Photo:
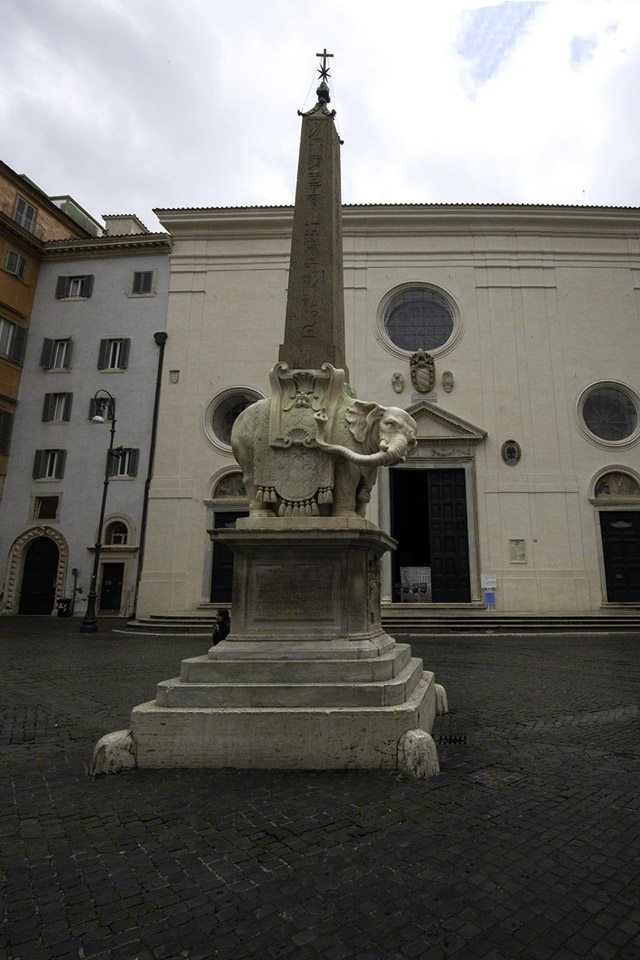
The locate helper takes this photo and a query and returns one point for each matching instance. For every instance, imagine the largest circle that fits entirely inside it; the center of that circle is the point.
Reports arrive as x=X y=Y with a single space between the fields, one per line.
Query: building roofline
x=413 y=218
x=127 y=244
x=36 y=193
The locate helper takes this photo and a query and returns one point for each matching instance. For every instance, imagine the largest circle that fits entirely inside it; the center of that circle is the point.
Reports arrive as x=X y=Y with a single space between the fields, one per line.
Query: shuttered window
x=113 y=354
x=6 y=426
x=124 y=462
x=57 y=406
x=68 y=287
x=142 y=282
x=12 y=340
x=24 y=214
x=14 y=263
x=56 y=354
x=49 y=464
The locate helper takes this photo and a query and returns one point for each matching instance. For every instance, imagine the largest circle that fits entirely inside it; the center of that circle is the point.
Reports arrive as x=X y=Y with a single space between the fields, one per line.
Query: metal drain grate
x=460 y=738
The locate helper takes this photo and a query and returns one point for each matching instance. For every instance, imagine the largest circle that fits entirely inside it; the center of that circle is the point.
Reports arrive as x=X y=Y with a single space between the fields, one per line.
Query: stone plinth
x=307 y=678
x=305 y=578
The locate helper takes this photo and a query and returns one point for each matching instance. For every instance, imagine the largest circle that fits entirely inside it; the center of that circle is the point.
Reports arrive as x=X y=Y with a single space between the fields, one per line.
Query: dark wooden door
x=222 y=565
x=111 y=589
x=621 y=551
x=449 y=536
x=429 y=521
x=38 y=592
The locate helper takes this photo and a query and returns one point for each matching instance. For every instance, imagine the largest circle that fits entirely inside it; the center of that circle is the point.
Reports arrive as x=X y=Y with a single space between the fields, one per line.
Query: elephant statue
x=330 y=473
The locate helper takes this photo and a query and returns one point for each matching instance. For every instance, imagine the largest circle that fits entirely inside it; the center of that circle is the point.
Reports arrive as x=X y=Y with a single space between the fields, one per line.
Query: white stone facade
x=545 y=303
x=62 y=508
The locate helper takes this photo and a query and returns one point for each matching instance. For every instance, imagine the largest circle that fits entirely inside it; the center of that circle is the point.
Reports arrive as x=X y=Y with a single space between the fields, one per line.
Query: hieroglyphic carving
x=293 y=592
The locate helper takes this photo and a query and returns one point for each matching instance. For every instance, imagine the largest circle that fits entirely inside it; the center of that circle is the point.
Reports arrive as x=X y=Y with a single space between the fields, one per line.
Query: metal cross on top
x=324 y=70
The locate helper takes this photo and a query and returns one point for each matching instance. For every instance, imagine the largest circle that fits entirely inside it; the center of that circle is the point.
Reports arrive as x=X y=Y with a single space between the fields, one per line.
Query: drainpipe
x=160 y=339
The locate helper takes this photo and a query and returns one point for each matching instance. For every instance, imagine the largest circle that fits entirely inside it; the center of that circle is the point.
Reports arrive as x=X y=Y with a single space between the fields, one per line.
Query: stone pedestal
x=307 y=677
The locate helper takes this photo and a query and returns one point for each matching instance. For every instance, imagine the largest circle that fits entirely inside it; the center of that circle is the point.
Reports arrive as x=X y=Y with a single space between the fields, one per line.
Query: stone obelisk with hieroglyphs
x=314 y=324
x=307 y=677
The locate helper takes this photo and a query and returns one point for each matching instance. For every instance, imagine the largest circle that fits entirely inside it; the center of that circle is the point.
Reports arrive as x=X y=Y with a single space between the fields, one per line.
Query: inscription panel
x=300 y=592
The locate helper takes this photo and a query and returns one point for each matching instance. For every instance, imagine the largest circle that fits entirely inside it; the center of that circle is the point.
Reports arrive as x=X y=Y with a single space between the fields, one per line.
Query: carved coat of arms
x=423 y=371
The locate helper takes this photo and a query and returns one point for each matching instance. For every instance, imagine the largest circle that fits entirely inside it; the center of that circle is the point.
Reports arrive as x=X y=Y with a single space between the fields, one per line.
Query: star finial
x=324 y=69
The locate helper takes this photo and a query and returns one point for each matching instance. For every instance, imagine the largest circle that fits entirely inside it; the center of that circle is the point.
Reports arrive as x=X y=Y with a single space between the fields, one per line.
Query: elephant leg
x=346 y=480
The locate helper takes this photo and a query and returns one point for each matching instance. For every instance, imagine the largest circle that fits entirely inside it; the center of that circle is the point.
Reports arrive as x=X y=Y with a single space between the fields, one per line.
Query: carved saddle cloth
x=294 y=473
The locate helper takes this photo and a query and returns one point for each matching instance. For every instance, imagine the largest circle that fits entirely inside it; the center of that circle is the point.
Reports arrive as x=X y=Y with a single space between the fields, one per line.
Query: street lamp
x=104 y=403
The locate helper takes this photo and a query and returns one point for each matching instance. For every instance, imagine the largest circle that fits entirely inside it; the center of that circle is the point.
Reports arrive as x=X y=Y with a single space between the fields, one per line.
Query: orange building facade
x=28 y=218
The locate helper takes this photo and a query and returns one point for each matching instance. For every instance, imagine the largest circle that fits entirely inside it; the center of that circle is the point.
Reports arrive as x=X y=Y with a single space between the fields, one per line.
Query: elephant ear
x=362 y=417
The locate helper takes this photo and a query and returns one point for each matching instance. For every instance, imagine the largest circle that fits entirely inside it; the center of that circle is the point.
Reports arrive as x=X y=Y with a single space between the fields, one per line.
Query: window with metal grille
x=227 y=412
x=418 y=318
x=610 y=413
x=45 y=508
x=116 y=533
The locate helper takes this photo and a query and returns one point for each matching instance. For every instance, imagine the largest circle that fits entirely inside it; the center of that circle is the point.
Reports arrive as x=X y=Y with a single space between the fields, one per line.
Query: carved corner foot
x=114 y=752
x=442 y=704
x=417 y=754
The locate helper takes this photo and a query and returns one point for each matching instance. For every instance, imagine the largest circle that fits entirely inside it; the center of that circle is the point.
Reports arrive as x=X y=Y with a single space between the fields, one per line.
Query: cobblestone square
x=526 y=846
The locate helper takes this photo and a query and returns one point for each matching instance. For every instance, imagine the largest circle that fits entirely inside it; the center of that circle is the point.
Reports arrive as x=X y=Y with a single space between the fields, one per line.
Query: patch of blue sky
x=582 y=50
x=489 y=34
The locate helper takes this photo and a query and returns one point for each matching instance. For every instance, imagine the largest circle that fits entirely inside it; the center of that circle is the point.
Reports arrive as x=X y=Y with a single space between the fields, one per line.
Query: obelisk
x=314 y=322
x=307 y=678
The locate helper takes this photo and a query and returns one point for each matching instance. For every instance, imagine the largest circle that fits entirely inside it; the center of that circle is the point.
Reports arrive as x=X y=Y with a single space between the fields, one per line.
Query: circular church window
x=224 y=411
x=610 y=413
x=418 y=318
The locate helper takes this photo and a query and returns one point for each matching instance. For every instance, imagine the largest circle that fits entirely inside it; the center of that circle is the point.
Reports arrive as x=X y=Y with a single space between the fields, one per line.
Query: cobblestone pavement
x=526 y=846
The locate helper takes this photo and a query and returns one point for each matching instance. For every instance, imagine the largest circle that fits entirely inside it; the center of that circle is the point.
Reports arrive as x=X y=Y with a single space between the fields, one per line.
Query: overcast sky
x=129 y=105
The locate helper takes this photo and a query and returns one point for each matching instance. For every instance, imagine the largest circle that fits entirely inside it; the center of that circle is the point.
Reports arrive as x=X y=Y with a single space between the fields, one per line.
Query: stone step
x=509 y=624
x=396 y=690
x=385 y=667
x=426 y=621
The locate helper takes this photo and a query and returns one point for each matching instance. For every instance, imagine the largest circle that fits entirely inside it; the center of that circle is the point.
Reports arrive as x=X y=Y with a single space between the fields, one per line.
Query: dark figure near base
x=222 y=626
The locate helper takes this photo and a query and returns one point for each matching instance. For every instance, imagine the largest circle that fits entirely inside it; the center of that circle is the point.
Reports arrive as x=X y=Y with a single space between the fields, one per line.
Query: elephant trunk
x=395 y=452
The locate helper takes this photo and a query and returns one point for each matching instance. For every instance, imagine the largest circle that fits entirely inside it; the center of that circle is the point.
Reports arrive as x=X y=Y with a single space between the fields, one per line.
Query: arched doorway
x=39 y=577
x=617 y=498
x=229 y=503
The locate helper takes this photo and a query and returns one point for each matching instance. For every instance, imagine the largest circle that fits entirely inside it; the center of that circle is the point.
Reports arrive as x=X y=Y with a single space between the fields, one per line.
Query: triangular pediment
x=438 y=425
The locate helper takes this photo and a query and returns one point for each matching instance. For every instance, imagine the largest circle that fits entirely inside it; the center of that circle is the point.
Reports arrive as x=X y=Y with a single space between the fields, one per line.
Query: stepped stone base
x=307 y=678
x=305 y=738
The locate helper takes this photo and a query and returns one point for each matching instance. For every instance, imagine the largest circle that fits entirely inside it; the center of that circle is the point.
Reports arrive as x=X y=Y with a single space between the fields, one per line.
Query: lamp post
x=104 y=403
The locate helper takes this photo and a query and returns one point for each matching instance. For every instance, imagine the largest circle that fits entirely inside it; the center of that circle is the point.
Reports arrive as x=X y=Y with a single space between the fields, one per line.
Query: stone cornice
x=411 y=220
x=98 y=247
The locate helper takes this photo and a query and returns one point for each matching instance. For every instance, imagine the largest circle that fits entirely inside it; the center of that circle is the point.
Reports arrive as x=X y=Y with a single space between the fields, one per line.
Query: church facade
x=510 y=333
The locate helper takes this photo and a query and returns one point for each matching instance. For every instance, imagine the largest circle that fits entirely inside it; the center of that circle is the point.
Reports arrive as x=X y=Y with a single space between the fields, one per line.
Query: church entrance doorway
x=40 y=572
x=621 y=553
x=222 y=564
x=429 y=521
